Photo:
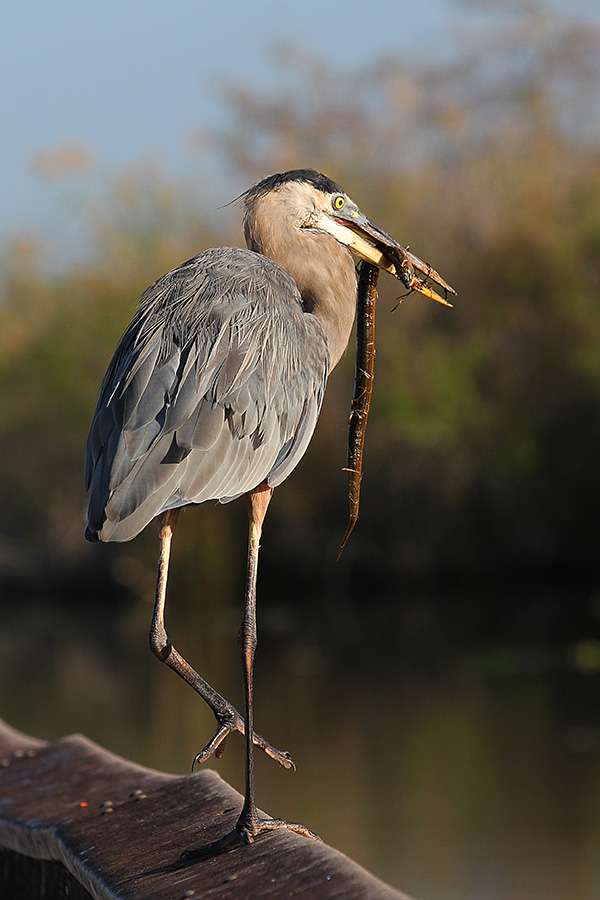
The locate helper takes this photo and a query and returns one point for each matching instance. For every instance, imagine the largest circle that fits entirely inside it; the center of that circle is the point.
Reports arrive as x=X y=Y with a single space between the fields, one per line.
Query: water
x=450 y=774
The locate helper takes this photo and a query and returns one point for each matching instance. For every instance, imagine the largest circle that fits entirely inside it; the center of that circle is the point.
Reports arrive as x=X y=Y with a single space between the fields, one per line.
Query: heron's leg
x=250 y=823
x=228 y=718
x=258 y=502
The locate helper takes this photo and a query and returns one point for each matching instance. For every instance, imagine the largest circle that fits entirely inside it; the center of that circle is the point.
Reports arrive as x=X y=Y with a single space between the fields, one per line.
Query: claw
x=281 y=756
x=248 y=835
x=216 y=745
x=244 y=834
x=426 y=270
x=420 y=286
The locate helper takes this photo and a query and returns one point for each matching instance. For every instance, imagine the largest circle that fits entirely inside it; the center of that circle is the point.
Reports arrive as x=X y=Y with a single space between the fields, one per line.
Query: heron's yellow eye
x=338 y=202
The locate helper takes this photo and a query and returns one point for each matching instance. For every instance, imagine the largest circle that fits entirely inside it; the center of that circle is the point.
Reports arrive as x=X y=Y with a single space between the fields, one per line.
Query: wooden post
x=77 y=821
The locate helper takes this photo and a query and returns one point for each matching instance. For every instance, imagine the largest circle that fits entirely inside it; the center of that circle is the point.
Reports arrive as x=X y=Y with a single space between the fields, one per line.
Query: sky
x=133 y=79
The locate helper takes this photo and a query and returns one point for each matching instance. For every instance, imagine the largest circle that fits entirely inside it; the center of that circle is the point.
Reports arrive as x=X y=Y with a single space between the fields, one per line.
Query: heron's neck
x=328 y=289
x=324 y=272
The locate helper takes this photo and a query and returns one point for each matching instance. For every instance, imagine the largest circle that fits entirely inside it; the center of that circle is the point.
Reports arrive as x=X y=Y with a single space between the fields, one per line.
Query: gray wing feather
x=204 y=427
x=295 y=447
x=215 y=387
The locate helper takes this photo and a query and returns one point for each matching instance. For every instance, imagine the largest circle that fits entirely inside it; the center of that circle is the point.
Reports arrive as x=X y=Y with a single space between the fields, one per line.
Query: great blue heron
x=215 y=389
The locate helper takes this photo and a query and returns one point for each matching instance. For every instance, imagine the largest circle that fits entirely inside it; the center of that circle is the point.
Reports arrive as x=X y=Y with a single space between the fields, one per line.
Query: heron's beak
x=377 y=247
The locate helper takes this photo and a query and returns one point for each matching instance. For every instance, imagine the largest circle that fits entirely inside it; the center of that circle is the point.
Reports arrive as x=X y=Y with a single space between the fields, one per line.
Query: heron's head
x=311 y=202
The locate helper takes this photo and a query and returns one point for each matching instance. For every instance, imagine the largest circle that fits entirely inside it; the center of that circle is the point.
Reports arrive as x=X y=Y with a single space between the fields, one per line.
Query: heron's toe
x=234 y=722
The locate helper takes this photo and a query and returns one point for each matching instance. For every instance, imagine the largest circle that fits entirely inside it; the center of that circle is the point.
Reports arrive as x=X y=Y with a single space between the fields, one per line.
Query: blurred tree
x=481 y=455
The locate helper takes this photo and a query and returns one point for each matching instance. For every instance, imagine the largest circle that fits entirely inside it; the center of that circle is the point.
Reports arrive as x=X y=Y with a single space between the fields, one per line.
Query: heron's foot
x=245 y=833
x=249 y=832
x=232 y=721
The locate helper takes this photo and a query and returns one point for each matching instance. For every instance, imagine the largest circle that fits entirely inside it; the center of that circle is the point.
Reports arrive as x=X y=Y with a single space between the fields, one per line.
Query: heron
x=214 y=391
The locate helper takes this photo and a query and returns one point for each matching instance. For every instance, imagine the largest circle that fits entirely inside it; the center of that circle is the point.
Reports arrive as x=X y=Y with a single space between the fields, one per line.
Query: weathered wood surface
x=119 y=829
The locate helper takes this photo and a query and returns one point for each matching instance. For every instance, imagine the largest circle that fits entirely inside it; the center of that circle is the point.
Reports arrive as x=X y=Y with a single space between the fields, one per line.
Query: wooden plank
x=119 y=829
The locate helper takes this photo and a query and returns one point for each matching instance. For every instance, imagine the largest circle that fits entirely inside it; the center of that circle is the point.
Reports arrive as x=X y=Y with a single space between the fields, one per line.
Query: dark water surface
x=471 y=774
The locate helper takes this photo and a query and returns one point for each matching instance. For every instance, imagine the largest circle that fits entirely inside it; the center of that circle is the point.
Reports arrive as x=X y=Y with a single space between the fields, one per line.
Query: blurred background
x=438 y=687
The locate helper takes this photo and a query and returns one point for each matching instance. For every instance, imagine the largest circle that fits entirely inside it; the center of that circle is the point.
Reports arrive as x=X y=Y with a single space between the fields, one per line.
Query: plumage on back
x=215 y=387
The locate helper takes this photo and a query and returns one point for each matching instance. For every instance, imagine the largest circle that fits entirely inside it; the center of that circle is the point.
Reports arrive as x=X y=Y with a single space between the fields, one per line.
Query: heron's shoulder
x=217 y=288
x=230 y=269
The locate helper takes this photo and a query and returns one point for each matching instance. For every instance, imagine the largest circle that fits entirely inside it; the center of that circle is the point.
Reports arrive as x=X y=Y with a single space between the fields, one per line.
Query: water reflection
x=465 y=775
